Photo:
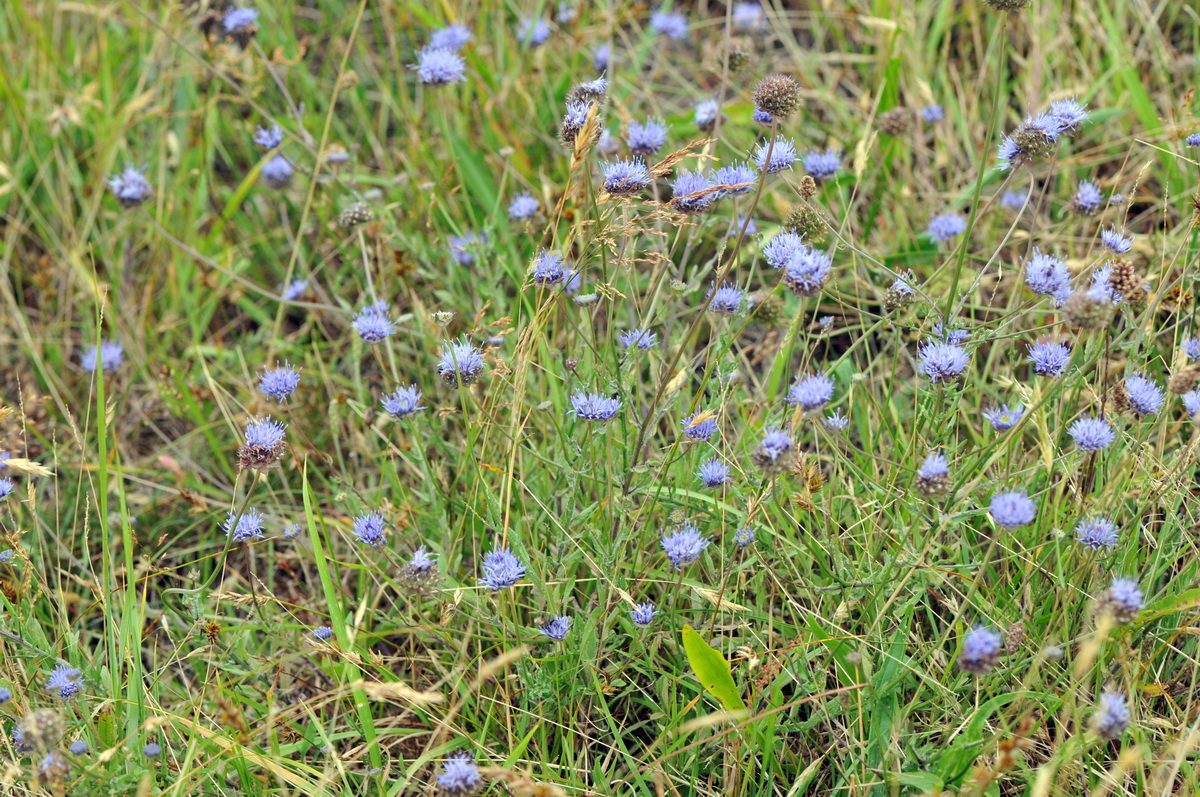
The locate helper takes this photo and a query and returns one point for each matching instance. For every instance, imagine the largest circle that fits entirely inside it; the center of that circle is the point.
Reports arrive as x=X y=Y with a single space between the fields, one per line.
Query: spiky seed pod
x=738 y=58
x=1184 y=380
x=767 y=307
x=1125 y=280
x=808 y=186
x=808 y=222
x=930 y=486
x=894 y=122
x=1011 y=6
x=1014 y=637
x=778 y=95
x=356 y=214
x=1033 y=143
x=42 y=728
x=1087 y=312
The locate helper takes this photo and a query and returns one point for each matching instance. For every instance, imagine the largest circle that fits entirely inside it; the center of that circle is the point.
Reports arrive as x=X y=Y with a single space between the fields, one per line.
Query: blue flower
x=806 y=271
x=5 y=696
x=1115 y=242
x=739 y=176
x=783 y=155
x=933 y=113
x=451 y=37
x=6 y=488
x=762 y=117
x=1145 y=397
x=547 y=269
x=501 y=569
x=774 y=448
x=130 y=187
x=713 y=473
x=626 y=177
x=691 y=192
x=277 y=171
x=1003 y=418
x=369 y=529
x=1049 y=358
x=152 y=750
x=323 y=633
x=980 y=650
x=706 y=114
x=53 y=765
x=726 y=300
x=265 y=433
x=594 y=406
x=268 y=137
x=463 y=248
x=421 y=561
x=743 y=538
x=946 y=227
x=811 y=392
x=1191 y=347
x=601 y=58
x=822 y=165
x=934 y=467
x=646 y=139
x=1096 y=533
x=460 y=363
x=295 y=290
x=239 y=18
x=566 y=13
x=643 y=339
x=438 y=67
x=533 y=32
x=941 y=362
x=684 y=546
x=557 y=628
x=779 y=251
x=1087 y=198
x=643 y=613
x=247 y=527
x=835 y=421
x=112 y=354
x=1047 y=275
x=572 y=282
x=292 y=531
x=459 y=774
x=1091 y=434
x=78 y=747
x=1012 y=509
x=1014 y=200
x=280 y=382
x=1069 y=114
x=748 y=16
x=404 y=402
x=523 y=206
x=674 y=25
x=1111 y=717
x=701 y=429
x=1124 y=600
x=64 y=682
x=1191 y=403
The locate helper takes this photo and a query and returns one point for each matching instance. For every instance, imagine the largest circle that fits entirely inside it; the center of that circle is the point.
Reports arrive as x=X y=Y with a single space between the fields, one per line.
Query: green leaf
x=712 y=669
x=1169 y=604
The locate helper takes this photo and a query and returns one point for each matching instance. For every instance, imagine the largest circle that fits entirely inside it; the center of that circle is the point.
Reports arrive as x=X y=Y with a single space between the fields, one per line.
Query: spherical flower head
x=1002 y=418
x=1191 y=403
x=547 y=269
x=941 y=362
x=463 y=247
x=459 y=775
x=602 y=58
x=646 y=139
x=451 y=37
x=778 y=95
x=533 y=32
x=501 y=569
x=292 y=531
x=566 y=13
x=437 y=66
x=421 y=561
x=706 y=114
x=369 y=529
x=1012 y=509
x=1115 y=242
x=726 y=300
x=265 y=433
x=748 y=16
x=277 y=171
x=691 y=192
x=523 y=206
x=822 y=165
x=1091 y=434
x=1193 y=140
x=643 y=613
x=946 y=227
x=78 y=747
x=739 y=177
x=643 y=339
x=557 y=628
x=152 y=750
x=64 y=682
x=594 y=406
x=935 y=466
x=460 y=363
x=1191 y=348
x=933 y=113
x=1069 y=113
x=811 y=392
x=263 y=445
x=294 y=290
x=268 y=138
x=572 y=282
x=237 y=19
x=743 y=538
x=1145 y=397
x=807 y=270
x=1123 y=600
x=980 y=650
x=1087 y=198
x=279 y=382
x=248 y=526
x=626 y=177
x=404 y=402
x=53 y=765
x=130 y=187
x=782 y=156
x=779 y=251
x=1049 y=358
x=713 y=473
x=1014 y=200
x=774 y=450
x=835 y=421
x=5 y=696
x=671 y=24
x=111 y=355
x=762 y=117
x=684 y=546
x=1097 y=533
x=1111 y=717
x=699 y=425
x=323 y=633
x=8 y=554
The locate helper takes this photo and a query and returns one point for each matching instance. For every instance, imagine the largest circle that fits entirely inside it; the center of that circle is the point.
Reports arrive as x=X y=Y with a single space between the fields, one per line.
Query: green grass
x=841 y=624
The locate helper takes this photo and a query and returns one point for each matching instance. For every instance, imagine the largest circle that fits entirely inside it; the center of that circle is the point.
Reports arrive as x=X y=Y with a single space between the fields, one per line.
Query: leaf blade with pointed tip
x=712 y=669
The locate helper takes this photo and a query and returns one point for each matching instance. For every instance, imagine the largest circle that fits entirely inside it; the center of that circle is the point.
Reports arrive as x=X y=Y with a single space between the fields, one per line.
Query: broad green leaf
x=712 y=670
x=1169 y=604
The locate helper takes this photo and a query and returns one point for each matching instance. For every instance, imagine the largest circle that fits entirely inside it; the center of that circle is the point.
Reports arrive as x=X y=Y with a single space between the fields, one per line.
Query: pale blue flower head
x=279 y=382
x=1097 y=533
x=1111 y=717
x=460 y=363
x=558 y=628
x=523 y=206
x=404 y=402
x=626 y=177
x=946 y=227
x=641 y=338
x=643 y=613
x=1002 y=418
x=1049 y=358
x=692 y=192
x=713 y=473
x=437 y=66
x=501 y=569
x=1047 y=275
x=822 y=165
x=1012 y=509
x=782 y=156
x=1115 y=242
x=1091 y=434
x=111 y=355
x=1145 y=397
x=980 y=650
x=594 y=406
x=684 y=545
x=369 y=529
x=451 y=37
x=249 y=526
x=782 y=247
x=811 y=392
x=671 y=24
x=64 y=682
x=726 y=300
x=941 y=362
x=933 y=113
x=646 y=138
x=268 y=137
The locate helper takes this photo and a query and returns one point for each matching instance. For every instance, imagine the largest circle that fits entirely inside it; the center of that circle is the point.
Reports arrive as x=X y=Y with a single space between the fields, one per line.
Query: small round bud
x=894 y=122
x=356 y=214
x=778 y=95
x=808 y=186
x=678 y=287
x=442 y=318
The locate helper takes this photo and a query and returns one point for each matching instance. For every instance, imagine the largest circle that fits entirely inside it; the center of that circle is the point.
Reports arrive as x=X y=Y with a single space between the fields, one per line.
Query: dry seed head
x=1125 y=280
x=356 y=214
x=778 y=95
x=894 y=122
x=1086 y=312
x=808 y=186
x=1184 y=380
x=808 y=222
x=1011 y=6
x=43 y=728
